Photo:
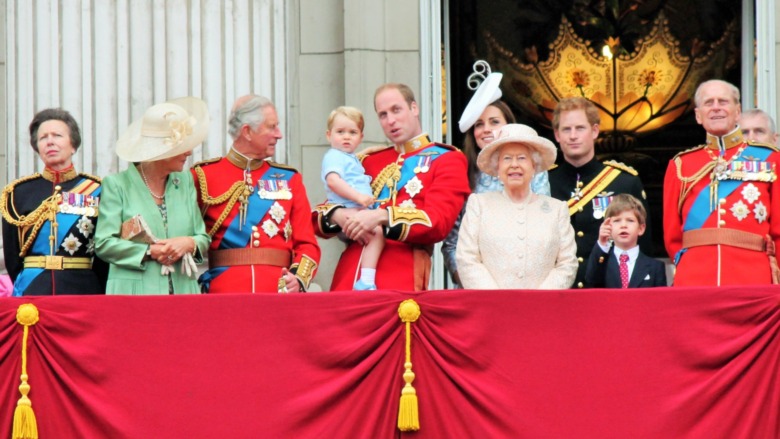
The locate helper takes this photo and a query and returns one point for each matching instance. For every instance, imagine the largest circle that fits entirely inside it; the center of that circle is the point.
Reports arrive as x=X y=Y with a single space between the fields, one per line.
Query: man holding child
x=420 y=187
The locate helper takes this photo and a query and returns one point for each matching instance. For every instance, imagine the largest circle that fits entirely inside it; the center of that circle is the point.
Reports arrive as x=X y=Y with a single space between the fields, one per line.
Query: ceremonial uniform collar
x=414 y=144
x=730 y=140
x=242 y=161
x=59 y=176
x=591 y=168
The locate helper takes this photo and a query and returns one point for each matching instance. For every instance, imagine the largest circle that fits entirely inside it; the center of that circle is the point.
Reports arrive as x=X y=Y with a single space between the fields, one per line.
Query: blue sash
x=407 y=169
x=701 y=209
x=40 y=245
x=257 y=208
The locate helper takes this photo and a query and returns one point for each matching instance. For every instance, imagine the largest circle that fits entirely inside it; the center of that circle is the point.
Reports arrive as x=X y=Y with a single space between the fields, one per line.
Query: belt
x=249 y=256
x=57 y=263
x=732 y=237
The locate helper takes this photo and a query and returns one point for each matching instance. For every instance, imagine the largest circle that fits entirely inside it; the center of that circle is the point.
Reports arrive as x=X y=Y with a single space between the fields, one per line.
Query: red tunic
x=742 y=203
x=285 y=226
x=421 y=215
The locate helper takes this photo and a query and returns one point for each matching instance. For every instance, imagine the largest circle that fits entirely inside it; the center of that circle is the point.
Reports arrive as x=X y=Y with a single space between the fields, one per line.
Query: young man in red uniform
x=421 y=187
x=255 y=210
x=721 y=201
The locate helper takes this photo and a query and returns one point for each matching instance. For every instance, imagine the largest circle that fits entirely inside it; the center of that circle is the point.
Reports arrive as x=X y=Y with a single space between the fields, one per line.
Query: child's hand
x=605 y=232
x=366 y=200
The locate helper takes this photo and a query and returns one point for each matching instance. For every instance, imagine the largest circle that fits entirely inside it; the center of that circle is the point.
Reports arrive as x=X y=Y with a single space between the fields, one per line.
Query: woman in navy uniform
x=49 y=217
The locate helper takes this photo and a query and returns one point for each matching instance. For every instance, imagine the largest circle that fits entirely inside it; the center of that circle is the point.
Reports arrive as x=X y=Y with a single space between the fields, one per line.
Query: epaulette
x=371 y=150
x=91 y=177
x=450 y=147
x=207 y=162
x=554 y=165
x=282 y=166
x=10 y=187
x=622 y=166
x=764 y=145
x=8 y=191
x=695 y=148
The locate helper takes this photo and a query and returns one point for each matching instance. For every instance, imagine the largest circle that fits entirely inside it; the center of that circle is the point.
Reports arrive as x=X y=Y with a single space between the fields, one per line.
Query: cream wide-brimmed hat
x=487 y=160
x=487 y=93
x=166 y=130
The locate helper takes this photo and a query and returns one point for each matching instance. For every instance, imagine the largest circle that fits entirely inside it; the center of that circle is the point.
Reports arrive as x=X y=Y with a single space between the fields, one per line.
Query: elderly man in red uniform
x=721 y=202
x=420 y=186
x=255 y=210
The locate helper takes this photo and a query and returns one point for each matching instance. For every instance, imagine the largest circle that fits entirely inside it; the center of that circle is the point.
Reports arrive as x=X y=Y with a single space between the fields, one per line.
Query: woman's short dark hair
x=55 y=114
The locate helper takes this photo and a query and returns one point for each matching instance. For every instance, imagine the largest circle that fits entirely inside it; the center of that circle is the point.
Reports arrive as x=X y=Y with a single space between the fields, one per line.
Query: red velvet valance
x=655 y=363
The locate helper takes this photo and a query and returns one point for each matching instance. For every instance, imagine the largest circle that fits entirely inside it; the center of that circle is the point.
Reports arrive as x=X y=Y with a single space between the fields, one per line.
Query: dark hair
x=470 y=142
x=55 y=114
x=626 y=202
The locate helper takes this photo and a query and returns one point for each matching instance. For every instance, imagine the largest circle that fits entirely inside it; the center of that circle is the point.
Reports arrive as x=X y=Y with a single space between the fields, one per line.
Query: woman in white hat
x=514 y=238
x=484 y=114
x=155 y=188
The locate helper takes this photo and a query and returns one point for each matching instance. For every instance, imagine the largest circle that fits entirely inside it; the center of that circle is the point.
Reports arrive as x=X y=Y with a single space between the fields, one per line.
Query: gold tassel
x=408 y=417
x=25 y=425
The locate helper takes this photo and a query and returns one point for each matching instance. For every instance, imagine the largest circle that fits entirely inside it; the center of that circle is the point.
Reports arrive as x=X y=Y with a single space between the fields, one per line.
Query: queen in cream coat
x=516 y=239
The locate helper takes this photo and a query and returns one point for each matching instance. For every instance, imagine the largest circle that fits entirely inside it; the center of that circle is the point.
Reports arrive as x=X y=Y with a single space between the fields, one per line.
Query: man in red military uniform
x=721 y=201
x=255 y=210
x=420 y=186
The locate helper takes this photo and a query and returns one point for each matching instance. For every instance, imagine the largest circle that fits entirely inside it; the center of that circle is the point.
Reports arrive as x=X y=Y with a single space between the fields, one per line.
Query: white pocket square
x=647 y=277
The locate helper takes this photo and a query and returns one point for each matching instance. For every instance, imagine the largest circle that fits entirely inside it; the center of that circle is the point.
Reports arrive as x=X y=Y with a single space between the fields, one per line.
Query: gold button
x=580 y=285
x=601 y=260
x=722 y=211
x=256 y=243
x=254 y=228
x=580 y=234
x=722 y=223
x=580 y=260
x=256 y=234
x=579 y=209
x=722 y=201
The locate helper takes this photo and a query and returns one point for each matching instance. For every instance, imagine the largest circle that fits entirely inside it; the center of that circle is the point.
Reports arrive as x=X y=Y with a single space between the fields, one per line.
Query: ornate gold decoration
x=635 y=92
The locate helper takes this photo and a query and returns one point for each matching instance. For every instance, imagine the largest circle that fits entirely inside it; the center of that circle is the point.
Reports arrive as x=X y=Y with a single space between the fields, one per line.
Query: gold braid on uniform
x=231 y=196
x=35 y=220
x=93 y=177
x=389 y=177
x=689 y=182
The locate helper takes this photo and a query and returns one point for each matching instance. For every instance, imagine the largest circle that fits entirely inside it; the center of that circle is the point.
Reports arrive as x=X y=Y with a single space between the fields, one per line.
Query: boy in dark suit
x=622 y=265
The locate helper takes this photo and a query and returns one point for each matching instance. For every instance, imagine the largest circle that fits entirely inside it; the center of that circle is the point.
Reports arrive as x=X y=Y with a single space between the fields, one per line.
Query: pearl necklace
x=146 y=182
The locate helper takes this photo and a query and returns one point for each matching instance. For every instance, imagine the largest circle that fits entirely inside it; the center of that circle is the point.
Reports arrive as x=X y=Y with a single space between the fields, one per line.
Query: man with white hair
x=255 y=210
x=758 y=126
x=721 y=203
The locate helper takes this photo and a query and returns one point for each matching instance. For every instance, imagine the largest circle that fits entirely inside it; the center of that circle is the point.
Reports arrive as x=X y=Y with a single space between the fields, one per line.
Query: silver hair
x=248 y=113
x=536 y=158
x=759 y=112
x=734 y=90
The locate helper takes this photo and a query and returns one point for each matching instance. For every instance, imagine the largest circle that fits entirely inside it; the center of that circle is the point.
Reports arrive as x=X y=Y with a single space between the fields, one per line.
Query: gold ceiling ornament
x=635 y=92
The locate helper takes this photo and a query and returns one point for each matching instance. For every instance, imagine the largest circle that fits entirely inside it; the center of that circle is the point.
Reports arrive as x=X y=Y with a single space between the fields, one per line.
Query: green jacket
x=124 y=196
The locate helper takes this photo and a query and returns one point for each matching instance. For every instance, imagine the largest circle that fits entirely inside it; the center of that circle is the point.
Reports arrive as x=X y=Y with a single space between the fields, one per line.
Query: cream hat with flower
x=166 y=130
x=487 y=161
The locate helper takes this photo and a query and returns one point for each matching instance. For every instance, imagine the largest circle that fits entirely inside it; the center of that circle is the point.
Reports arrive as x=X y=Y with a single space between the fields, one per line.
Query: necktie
x=624 y=270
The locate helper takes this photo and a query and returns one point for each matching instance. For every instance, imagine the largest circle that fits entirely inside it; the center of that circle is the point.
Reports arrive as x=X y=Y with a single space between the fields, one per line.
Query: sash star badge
x=413 y=186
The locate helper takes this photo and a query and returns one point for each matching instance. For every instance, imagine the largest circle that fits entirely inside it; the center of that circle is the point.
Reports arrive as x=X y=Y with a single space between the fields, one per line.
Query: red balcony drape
x=654 y=363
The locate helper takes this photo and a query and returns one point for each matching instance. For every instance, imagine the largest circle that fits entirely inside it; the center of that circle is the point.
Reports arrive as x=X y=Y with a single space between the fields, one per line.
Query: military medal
x=274 y=190
x=577 y=193
x=600 y=204
x=423 y=164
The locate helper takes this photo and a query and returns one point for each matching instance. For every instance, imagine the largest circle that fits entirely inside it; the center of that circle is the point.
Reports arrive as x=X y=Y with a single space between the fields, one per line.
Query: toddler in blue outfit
x=346 y=183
